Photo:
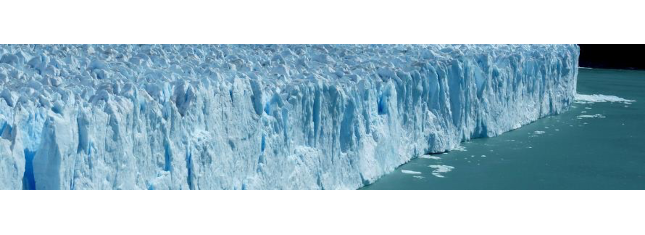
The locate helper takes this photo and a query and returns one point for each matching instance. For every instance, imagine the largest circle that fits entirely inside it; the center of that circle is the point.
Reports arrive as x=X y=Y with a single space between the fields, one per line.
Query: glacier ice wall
x=259 y=116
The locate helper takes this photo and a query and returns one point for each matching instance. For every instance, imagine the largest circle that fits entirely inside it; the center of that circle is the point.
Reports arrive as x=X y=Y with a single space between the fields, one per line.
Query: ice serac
x=259 y=116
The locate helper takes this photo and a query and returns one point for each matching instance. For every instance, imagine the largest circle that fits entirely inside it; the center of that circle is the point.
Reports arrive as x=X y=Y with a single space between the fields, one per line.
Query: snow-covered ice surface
x=259 y=116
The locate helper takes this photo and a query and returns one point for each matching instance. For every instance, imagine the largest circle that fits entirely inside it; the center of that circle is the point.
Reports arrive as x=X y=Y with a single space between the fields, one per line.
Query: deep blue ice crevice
x=28 y=180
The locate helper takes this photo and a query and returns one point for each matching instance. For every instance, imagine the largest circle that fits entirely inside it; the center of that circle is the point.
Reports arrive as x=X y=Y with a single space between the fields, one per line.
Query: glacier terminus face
x=259 y=116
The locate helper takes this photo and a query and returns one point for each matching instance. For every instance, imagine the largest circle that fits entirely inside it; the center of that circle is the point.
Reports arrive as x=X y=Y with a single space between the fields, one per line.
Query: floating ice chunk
x=539 y=132
x=460 y=148
x=591 y=116
x=483 y=156
x=586 y=99
x=438 y=170
x=410 y=172
x=430 y=157
x=418 y=177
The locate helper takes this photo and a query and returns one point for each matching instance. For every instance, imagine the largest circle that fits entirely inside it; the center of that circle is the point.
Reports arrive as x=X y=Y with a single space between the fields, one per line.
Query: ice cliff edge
x=259 y=116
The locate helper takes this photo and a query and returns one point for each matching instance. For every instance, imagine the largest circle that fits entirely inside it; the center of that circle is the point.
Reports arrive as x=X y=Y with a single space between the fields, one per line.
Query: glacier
x=259 y=116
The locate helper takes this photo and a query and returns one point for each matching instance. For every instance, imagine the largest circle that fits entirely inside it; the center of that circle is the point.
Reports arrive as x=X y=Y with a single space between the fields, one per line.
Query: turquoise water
x=567 y=151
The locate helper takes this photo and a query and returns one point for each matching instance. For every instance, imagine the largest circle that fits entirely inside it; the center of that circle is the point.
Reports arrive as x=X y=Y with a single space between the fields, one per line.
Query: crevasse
x=259 y=116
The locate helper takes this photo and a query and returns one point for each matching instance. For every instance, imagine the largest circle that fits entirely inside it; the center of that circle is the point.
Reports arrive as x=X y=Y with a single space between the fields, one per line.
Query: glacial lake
x=593 y=145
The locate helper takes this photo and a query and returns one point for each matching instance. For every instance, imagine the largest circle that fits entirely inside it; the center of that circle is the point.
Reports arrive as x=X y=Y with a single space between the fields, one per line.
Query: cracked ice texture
x=259 y=116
